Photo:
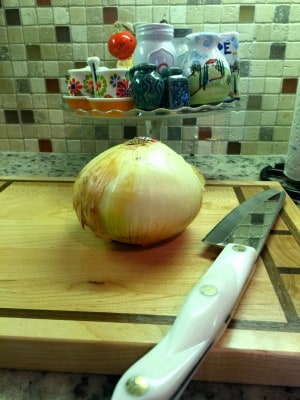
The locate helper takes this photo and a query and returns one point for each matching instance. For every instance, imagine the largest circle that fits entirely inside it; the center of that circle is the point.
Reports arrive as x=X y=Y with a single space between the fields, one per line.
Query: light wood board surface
x=72 y=302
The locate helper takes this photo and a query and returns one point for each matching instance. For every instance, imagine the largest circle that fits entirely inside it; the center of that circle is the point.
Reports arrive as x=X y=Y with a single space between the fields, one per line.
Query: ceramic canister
x=229 y=46
x=207 y=69
x=147 y=86
x=155 y=45
x=180 y=44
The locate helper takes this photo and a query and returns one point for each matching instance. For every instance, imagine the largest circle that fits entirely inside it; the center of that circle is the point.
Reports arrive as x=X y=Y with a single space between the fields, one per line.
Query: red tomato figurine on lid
x=122 y=44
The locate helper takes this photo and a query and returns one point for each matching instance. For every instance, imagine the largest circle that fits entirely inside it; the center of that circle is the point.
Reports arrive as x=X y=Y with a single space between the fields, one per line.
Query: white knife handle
x=164 y=372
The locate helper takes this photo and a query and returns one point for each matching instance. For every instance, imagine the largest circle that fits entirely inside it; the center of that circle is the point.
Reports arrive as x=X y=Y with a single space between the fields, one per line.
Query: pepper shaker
x=176 y=94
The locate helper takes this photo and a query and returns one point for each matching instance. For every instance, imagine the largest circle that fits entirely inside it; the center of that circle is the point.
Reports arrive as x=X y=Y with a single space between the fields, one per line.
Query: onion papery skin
x=138 y=192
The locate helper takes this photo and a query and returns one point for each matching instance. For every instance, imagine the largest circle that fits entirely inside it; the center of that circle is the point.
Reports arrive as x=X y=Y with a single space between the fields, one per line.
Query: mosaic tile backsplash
x=41 y=39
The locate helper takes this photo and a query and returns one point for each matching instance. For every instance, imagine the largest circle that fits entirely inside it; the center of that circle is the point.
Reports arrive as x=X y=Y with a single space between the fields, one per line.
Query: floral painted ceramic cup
x=110 y=82
x=113 y=82
x=80 y=82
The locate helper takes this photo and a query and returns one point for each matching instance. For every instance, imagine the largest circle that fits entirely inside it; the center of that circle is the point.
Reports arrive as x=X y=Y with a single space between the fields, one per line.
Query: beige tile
x=88 y=146
x=270 y=102
x=28 y=3
x=17 y=52
x=16 y=144
x=41 y=116
x=79 y=33
x=291 y=50
x=237 y=118
x=3 y=35
x=260 y=50
x=96 y=49
x=28 y=15
x=24 y=101
x=31 y=145
x=295 y=12
x=61 y=16
x=258 y=68
x=58 y=131
x=60 y=3
x=189 y=133
x=7 y=85
x=43 y=132
x=59 y=145
x=280 y=32
x=15 y=34
x=253 y=117
x=291 y=68
x=48 y=52
x=5 y=145
x=284 y=117
x=13 y=131
x=246 y=32
x=101 y=145
x=74 y=146
x=39 y=101
x=77 y=15
x=280 y=148
x=268 y=118
x=281 y=133
x=189 y=147
x=229 y=13
x=50 y=68
x=93 y=15
x=256 y=85
x=64 y=52
x=9 y=101
x=264 y=13
x=264 y=148
x=249 y=148
x=235 y=134
x=251 y=133
x=212 y=14
x=3 y=132
x=218 y=147
x=127 y=13
x=44 y=15
x=286 y=102
x=272 y=85
x=263 y=32
x=29 y=131
x=194 y=15
x=274 y=67
x=80 y=52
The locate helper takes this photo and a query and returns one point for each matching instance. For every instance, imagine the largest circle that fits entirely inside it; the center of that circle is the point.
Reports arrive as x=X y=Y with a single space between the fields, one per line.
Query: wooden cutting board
x=72 y=302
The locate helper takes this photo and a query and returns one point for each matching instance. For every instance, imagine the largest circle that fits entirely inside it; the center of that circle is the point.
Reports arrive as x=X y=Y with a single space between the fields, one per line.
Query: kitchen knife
x=165 y=371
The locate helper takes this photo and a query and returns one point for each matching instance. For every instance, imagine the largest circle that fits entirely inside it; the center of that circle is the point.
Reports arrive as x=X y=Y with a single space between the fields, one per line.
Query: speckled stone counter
x=69 y=164
x=35 y=385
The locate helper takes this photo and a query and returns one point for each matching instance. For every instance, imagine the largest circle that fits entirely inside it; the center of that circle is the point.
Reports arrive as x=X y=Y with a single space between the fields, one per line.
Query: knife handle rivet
x=137 y=385
x=208 y=290
x=239 y=247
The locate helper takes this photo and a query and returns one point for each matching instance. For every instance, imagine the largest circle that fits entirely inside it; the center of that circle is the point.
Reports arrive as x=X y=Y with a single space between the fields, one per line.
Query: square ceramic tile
x=264 y=13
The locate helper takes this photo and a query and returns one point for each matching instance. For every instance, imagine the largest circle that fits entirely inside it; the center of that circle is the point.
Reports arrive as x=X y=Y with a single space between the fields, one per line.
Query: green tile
x=277 y=51
x=246 y=14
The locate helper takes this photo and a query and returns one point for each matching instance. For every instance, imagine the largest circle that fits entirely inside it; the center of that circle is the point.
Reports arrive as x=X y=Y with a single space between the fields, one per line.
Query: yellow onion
x=140 y=192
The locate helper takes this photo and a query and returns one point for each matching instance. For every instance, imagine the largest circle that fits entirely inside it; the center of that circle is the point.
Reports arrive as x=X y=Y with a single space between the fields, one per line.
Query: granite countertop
x=36 y=385
x=69 y=164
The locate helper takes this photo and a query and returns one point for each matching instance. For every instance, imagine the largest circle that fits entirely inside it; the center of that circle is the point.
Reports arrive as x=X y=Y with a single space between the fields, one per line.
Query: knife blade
x=164 y=372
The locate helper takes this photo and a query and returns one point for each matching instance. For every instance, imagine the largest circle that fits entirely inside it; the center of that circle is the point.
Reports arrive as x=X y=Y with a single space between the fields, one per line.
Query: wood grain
x=72 y=302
